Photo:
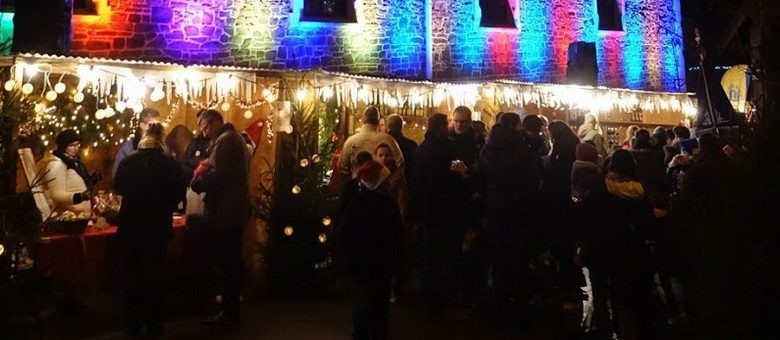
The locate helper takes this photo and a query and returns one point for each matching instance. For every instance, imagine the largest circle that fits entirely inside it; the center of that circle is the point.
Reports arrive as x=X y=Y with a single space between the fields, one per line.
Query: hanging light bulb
x=248 y=114
x=100 y=114
x=225 y=106
x=296 y=190
x=288 y=230
x=157 y=94
x=138 y=107
x=326 y=221
x=322 y=237
x=327 y=92
x=108 y=112
x=78 y=97
x=120 y=106
x=27 y=88
x=304 y=163
x=59 y=88
x=9 y=84
x=51 y=95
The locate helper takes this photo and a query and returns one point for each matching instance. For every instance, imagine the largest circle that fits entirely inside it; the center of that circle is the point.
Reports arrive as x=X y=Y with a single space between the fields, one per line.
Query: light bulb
x=288 y=230
x=296 y=190
x=78 y=97
x=99 y=114
x=51 y=95
x=9 y=85
x=59 y=88
x=138 y=107
x=315 y=158
x=322 y=238
x=300 y=94
x=108 y=112
x=304 y=163
x=326 y=221
x=225 y=106
x=248 y=114
x=157 y=94
x=120 y=106
x=27 y=88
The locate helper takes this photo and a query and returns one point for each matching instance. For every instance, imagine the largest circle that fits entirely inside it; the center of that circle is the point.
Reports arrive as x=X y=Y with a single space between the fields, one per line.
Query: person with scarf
x=152 y=185
x=68 y=179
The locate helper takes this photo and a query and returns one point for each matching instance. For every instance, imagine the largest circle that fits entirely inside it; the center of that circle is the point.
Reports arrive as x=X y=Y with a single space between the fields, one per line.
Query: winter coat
x=591 y=133
x=62 y=184
x=556 y=185
x=585 y=177
x=226 y=183
x=126 y=149
x=368 y=139
x=433 y=185
x=465 y=147
x=372 y=229
x=408 y=147
x=651 y=171
x=616 y=222
x=151 y=184
x=195 y=153
x=510 y=172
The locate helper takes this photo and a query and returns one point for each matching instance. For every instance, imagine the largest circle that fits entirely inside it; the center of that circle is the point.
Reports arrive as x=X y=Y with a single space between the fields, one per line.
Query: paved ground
x=321 y=316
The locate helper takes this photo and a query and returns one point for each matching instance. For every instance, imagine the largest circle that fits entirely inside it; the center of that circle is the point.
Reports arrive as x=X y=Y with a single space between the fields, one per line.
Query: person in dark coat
x=224 y=178
x=152 y=185
x=533 y=127
x=511 y=172
x=651 y=169
x=372 y=228
x=395 y=126
x=715 y=244
x=616 y=220
x=435 y=181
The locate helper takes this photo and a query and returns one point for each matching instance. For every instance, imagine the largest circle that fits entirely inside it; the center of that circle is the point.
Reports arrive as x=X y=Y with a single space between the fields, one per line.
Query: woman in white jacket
x=67 y=177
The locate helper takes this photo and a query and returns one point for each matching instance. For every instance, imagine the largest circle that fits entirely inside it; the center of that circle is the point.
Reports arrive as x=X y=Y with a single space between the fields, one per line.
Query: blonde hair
x=153 y=138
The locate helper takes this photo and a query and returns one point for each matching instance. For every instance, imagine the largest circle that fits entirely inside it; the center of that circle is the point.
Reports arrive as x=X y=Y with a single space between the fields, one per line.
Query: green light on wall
x=6 y=32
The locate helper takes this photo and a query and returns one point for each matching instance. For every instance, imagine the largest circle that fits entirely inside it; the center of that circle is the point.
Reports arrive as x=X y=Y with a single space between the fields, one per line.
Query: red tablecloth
x=90 y=262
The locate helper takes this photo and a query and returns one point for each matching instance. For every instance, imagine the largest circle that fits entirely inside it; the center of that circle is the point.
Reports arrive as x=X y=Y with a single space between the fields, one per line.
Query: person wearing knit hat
x=372 y=231
x=151 y=184
x=68 y=179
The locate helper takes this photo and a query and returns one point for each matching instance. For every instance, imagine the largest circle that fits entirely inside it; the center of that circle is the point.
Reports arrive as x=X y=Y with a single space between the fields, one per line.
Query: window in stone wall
x=329 y=10
x=610 y=15
x=496 y=13
x=86 y=7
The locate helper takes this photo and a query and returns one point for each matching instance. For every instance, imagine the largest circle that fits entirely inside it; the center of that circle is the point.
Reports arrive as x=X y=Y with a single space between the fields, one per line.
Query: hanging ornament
x=304 y=163
x=59 y=88
x=51 y=95
x=108 y=112
x=248 y=114
x=9 y=85
x=322 y=238
x=157 y=94
x=326 y=221
x=225 y=106
x=288 y=230
x=78 y=97
x=100 y=114
x=296 y=190
x=27 y=88
x=138 y=107
x=120 y=106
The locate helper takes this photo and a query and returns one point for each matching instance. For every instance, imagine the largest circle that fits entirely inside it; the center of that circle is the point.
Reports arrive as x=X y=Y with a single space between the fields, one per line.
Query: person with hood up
x=372 y=228
x=152 y=185
x=586 y=171
x=68 y=179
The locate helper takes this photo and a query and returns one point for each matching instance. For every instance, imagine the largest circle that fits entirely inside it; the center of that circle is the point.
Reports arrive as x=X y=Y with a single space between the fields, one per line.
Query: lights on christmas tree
x=51 y=95
x=288 y=230
x=304 y=163
x=322 y=237
x=225 y=106
x=60 y=88
x=78 y=97
x=296 y=190
x=27 y=89
x=248 y=114
x=315 y=158
x=326 y=221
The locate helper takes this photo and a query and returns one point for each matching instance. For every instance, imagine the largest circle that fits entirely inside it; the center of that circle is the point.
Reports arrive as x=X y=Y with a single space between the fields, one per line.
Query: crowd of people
x=643 y=233
x=506 y=222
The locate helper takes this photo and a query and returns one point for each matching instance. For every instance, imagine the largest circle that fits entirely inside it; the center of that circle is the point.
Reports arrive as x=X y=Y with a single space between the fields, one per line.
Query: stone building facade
x=440 y=40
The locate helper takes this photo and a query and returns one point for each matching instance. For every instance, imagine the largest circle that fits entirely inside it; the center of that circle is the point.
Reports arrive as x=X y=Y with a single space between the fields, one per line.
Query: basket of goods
x=69 y=222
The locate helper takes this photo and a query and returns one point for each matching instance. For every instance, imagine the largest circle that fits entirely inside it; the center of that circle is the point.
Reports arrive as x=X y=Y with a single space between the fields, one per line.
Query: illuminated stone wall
x=388 y=40
x=646 y=55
